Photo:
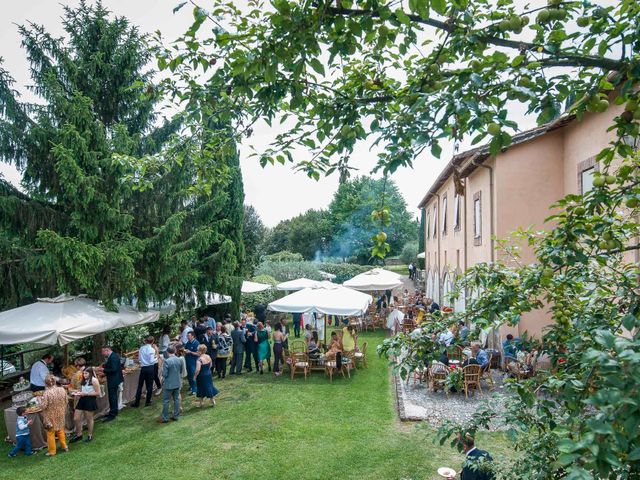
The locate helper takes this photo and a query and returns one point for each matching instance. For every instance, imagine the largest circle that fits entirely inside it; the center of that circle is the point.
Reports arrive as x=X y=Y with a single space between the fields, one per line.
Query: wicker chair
x=455 y=353
x=297 y=346
x=361 y=356
x=439 y=373
x=330 y=366
x=299 y=361
x=471 y=378
x=408 y=326
x=287 y=359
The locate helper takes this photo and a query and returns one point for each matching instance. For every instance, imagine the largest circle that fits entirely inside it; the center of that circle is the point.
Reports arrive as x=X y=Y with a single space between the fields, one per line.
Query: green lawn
x=401 y=269
x=263 y=427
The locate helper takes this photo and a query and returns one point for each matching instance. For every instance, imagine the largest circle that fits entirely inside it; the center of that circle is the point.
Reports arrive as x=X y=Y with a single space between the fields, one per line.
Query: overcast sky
x=277 y=192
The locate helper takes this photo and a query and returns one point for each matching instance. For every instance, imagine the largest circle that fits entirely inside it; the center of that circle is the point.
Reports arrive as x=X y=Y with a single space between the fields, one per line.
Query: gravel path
x=417 y=402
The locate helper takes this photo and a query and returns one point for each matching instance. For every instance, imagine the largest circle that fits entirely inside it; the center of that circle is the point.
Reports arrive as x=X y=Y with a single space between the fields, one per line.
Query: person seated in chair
x=509 y=348
x=335 y=346
x=313 y=350
x=479 y=356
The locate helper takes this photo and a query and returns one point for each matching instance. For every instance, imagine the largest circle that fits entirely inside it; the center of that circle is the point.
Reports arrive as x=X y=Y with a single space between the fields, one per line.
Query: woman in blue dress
x=204 y=377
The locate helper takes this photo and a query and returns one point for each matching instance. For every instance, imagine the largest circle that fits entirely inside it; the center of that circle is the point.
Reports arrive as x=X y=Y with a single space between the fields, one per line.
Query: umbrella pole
x=325 y=331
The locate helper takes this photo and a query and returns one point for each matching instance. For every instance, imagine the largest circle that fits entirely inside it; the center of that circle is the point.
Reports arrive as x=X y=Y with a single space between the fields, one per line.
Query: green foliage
x=283 y=256
x=353 y=224
x=346 y=228
x=110 y=206
x=585 y=419
x=253 y=235
x=409 y=252
x=379 y=447
x=411 y=75
x=342 y=271
x=289 y=270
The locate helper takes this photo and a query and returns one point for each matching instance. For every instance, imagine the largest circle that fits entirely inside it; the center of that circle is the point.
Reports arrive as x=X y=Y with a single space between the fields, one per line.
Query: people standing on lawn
x=204 y=377
x=148 y=363
x=223 y=341
x=23 y=435
x=297 y=319
x=191 y=358
x=87 y=404
x=263 y=349
x=278 y=340
x=172 y=373
x=54 y=409
x=39 y=372
x=165 y=340
x=239 y=340
x=184 y=332
x=112 y=369
x=251 y=346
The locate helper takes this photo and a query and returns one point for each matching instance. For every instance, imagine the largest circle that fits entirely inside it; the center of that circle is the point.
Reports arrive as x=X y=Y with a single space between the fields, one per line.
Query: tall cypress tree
x=108 y=206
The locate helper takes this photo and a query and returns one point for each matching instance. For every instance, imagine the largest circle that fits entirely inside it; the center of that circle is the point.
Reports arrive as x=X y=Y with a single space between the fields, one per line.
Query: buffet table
x=37 y=430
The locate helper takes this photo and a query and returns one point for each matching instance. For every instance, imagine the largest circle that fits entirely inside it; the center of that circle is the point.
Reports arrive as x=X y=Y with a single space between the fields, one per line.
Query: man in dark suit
x=238 y=338
x=251 y=346
x=478 y=464
x=209 y=341
x=112 y=369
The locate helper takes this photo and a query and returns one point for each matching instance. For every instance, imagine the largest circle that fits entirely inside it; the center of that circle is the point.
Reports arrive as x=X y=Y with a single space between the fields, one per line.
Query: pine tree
x=109 y=206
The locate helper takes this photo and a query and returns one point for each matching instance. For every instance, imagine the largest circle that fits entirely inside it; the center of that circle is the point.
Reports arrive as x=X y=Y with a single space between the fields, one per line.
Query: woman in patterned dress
x=54 y=408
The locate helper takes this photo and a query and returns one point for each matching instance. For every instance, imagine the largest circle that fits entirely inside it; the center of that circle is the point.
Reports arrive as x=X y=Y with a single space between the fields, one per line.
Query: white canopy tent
x=65 y=318
x=375 y=279
x=326 y=275
x=254 y=287
x=421 y=254
x=297 y=284
x=326 y=298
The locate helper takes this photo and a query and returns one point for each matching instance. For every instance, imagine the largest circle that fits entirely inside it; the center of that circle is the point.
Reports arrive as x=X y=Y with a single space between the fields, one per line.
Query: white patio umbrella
x=326 y=275
x=65 y=318
x=254 y=287
x=297 y=284
x=421 y=255
x=376 y=279
x=326 y=298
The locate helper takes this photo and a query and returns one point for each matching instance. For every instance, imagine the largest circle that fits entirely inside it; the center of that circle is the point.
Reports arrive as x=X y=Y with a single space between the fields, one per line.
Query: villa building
x=478 y=198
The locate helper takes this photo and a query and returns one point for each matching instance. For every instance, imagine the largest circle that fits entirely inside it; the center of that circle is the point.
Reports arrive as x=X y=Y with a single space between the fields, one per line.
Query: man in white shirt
x=184 y=338
x=39 y=372
x=447 y=337
x=148 y=359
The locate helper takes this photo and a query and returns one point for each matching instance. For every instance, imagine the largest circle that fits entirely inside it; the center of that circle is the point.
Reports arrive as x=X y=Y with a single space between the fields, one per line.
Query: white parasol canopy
x=326 y=298
x=254 y=287
x=65 y=318
x=375 y=279
x=297 y=284
x=421 y=254
x=326 y=275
